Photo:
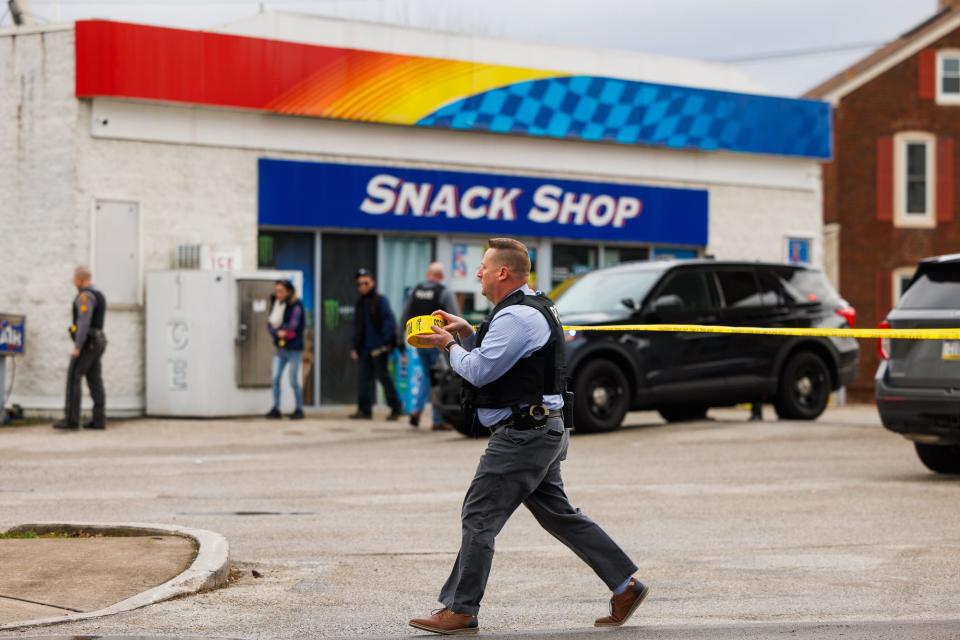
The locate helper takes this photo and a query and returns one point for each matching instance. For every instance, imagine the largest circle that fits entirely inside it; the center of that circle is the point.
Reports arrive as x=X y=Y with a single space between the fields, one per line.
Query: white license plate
x=951 y=350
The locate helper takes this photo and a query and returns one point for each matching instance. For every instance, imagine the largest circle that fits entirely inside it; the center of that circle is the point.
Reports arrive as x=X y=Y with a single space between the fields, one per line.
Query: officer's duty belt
x=509 y=422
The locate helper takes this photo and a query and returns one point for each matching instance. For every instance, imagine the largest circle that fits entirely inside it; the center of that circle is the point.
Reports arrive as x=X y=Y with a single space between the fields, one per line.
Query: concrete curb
x=210 y=568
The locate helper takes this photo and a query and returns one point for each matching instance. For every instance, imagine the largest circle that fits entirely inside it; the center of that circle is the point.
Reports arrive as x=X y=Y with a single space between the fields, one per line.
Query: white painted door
x=116 y=251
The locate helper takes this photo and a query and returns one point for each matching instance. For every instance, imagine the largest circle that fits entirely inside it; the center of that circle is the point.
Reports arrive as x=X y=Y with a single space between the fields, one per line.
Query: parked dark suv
x=918 y=381
x=681 y=375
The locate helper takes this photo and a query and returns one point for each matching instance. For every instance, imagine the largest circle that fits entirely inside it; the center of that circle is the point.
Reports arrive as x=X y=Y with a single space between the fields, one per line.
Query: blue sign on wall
x=313 y=194
x=798 y=250
x=13 y=332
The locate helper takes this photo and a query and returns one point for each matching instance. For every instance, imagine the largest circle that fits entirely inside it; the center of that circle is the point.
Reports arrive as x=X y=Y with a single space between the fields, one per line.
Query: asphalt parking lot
x=741 y=529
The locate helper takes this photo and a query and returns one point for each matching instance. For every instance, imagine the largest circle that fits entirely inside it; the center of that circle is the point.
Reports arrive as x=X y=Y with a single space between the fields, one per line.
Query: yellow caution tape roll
x=818 y=332
x=421 y=326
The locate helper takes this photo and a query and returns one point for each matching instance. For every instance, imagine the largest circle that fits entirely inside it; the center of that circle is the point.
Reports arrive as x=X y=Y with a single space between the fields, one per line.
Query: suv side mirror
x=669 y=303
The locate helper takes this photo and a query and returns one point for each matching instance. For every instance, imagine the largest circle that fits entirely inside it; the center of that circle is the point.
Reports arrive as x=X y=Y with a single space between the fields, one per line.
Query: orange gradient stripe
x=380 y=87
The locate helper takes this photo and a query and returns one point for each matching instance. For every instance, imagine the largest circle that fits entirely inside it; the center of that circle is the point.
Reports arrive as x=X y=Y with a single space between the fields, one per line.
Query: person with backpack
x=425 y=298
x=374 y=337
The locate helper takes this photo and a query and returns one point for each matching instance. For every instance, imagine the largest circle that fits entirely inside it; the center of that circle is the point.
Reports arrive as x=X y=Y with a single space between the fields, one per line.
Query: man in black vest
x=514 y=372
x=89 y=343
x=425 y=298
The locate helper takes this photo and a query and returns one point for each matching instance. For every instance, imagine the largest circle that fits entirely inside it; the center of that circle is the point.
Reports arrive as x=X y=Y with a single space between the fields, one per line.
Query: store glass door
x=288 y=250
x=341 y=256
x=405 y=262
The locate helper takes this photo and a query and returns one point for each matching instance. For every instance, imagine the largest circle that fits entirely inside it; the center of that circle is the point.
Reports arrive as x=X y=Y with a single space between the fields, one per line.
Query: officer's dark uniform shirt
x=89 y=311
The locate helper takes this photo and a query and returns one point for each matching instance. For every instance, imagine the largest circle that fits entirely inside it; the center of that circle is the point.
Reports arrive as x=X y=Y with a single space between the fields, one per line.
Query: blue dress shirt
x=515 y=332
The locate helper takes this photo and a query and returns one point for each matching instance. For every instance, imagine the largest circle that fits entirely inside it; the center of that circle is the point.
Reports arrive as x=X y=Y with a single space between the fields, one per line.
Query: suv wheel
x=939 y=458
x=804 y=387
x=602 y=396
x=683 y=412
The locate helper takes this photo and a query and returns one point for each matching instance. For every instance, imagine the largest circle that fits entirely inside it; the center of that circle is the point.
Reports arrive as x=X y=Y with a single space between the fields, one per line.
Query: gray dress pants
x=523 y=467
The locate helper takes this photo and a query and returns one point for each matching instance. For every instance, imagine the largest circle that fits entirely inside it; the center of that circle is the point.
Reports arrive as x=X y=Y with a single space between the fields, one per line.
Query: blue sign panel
x=13 y=332
x=631 y=112
x=798 y=250
x=313 y=194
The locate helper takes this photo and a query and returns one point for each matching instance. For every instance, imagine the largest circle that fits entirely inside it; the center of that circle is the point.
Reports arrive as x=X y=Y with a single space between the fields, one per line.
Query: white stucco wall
x=43 y=229
x=193 y=173
x=753 y=223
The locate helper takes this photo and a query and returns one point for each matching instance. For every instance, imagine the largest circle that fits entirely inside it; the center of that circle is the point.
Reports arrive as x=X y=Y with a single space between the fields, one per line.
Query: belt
x=508 y=422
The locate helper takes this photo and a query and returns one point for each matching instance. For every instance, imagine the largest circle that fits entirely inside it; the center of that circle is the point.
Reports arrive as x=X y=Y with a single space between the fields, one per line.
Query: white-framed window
x=914 y=171
x=900 y=278
x=948 y=76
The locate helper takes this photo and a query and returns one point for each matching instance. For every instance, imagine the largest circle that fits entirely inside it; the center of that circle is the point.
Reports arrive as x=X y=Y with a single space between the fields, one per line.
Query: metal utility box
x=255 y=345
x=208 y=350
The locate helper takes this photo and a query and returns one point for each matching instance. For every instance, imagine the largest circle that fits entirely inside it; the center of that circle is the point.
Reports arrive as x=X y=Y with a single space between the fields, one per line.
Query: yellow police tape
x=421 y=326
x=819 y=332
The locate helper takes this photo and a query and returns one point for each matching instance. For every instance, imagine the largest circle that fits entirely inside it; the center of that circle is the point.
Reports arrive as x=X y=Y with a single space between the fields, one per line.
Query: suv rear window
x=806 y=286
x=936 y=287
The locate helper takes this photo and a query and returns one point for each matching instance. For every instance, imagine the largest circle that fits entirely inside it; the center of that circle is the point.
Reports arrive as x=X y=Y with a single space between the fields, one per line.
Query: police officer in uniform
x=89 y=343
x=425 y=298
x=514 y=373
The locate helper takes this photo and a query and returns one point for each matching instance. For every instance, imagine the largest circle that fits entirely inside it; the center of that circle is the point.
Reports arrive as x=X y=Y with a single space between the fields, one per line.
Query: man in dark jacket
x=286 y=323
x=89 y=343
x=374 y=338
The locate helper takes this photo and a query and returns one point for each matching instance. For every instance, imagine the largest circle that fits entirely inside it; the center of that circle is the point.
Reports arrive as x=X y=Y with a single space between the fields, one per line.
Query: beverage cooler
x=208 y=350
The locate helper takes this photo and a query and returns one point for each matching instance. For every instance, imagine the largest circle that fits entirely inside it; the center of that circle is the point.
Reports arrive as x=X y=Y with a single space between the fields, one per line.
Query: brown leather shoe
x=442 y=426
x=622 y=606
x=447 y=622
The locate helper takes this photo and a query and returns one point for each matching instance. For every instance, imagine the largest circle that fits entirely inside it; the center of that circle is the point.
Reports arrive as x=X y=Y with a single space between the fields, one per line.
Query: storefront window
x=463 y=261
x=573 y=260
x=462 y=264
x=619 y=255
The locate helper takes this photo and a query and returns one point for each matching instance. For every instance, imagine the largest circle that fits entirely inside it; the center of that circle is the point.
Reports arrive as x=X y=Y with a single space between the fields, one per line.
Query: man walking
x=89 y=343
x=374 y=337
x=514 y=371
x=427 y=297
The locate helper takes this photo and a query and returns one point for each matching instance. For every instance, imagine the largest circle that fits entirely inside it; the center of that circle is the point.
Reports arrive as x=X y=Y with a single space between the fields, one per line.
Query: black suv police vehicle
x=681 y=375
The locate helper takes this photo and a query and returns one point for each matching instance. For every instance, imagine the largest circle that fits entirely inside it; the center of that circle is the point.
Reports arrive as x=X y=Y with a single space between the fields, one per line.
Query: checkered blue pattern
x=628 y=112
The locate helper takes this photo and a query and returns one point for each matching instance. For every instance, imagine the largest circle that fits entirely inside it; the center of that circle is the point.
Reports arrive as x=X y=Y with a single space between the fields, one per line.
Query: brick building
x=889 y=192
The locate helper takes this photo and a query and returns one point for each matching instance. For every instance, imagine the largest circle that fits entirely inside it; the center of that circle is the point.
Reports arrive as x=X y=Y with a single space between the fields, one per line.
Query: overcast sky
x=703 y=29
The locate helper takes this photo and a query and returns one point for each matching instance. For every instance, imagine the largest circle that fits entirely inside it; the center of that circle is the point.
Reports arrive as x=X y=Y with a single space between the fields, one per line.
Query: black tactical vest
x=541 y=373
x=426 y=298
x=99 y=309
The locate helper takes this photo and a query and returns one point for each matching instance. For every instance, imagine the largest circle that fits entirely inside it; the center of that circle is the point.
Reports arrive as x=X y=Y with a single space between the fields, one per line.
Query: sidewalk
x=45 y=577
